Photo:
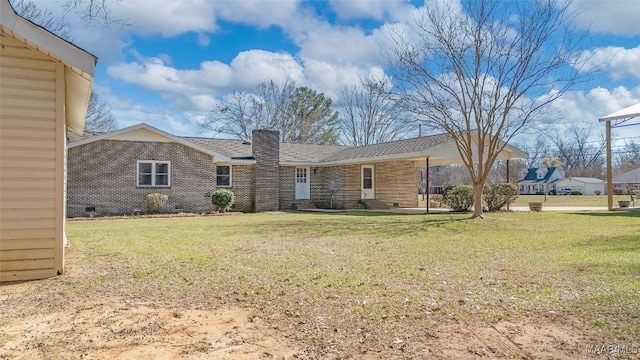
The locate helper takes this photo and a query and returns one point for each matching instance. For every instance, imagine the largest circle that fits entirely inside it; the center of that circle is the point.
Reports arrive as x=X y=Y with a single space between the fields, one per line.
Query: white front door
x=303 y=190
x=368 y=182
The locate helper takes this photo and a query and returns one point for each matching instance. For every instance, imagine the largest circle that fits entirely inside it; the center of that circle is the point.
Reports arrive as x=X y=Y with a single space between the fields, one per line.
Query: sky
x=177 y=59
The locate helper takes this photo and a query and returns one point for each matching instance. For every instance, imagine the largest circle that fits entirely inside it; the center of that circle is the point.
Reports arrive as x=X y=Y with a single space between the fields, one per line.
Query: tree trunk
x=477 y=201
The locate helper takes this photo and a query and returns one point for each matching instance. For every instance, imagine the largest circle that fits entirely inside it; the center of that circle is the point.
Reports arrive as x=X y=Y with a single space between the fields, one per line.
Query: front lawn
x=364 y=284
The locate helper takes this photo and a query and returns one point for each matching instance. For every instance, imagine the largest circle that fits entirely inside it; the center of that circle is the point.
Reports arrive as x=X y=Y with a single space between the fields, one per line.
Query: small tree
x=500 y=195
x=154 y=202
x=223 y=199
x=485 y=72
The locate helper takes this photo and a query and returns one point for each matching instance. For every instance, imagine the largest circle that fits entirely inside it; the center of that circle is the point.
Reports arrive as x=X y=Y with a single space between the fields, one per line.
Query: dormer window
x=541 y=173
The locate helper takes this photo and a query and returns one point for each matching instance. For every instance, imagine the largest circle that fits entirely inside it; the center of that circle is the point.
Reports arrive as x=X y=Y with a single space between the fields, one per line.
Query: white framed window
x=223 y=175
x=301 y=175
x=151 y=173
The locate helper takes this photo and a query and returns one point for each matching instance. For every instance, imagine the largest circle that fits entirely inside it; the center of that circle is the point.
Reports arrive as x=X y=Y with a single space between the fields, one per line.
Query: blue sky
x=179 y=58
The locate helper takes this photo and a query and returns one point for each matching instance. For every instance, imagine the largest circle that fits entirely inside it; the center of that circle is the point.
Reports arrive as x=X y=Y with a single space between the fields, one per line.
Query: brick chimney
x=266 y=149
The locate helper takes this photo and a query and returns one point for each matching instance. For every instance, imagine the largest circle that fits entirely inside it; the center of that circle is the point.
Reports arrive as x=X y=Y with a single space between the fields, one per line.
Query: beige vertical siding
x=31 y=163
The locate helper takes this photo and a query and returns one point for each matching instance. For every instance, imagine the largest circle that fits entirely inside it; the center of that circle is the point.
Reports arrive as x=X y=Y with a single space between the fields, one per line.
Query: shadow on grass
x=432 y=219
x=601 y=244
x=617 y=213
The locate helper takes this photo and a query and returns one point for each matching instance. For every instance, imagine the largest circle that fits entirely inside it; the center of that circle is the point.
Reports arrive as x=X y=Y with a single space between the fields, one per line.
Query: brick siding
x=397 y=182
x=242 y=180
x=266 y=149
x=287 y=187
x=102 y=174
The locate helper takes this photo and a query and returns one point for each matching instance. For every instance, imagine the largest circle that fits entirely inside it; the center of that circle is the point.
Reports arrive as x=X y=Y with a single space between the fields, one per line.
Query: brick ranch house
x=109 y=173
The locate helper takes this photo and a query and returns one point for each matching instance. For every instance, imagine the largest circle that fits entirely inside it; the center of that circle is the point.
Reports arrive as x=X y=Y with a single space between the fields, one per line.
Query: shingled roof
x=438 y=147
x=532 y=175
x=630 y=177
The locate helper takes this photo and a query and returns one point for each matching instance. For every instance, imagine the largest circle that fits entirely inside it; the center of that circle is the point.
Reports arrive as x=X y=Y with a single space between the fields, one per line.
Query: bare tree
x=485 y=73
x=45 y=18
x=369 y=114
x=99 y=118
x=579 y=154
x=300 y=114
x=94 y=11
x=628 y=158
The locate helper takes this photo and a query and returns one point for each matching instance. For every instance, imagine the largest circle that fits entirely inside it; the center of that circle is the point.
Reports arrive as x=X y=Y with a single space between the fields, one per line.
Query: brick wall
x=266 y=149
x=346 y=186
x=102 y=174
x=287 y=187
x=397 y=182
x=242 y=180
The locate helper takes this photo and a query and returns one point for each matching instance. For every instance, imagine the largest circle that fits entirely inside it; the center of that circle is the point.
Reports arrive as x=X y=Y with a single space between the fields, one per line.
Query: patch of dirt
x=61 y=318
x=115 y=328
x=111 y=329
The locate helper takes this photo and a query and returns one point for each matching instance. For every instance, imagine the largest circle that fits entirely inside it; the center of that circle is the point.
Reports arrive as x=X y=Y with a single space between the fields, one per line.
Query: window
x=367 y=178
x=154 y=173
x=301 y=175
x=223 y=175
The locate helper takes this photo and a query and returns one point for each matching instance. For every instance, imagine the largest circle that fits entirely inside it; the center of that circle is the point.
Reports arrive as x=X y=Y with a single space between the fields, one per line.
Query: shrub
x=223 y=199
x=459 y=198
x=435 y=200
x=576 y=192
x=154 y=202
x=597 y=192
x=618 y=191
x=500 y=195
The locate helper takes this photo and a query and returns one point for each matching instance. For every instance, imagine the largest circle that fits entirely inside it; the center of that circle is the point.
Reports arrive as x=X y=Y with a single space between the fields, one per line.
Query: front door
x=302 y=183
x=368 y=182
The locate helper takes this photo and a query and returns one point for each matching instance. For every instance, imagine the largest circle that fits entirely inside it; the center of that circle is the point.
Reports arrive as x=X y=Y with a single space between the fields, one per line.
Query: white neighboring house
x=587 y=185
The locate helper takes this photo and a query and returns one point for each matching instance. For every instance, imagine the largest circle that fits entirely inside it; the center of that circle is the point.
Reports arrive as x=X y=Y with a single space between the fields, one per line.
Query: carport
x=619 y=119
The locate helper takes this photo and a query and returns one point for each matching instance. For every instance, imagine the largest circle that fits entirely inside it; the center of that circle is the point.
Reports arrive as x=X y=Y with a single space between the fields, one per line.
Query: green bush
x=223 y=199
x=459 y=198
x=154 y=202
x=576 y=192
x=500 y=195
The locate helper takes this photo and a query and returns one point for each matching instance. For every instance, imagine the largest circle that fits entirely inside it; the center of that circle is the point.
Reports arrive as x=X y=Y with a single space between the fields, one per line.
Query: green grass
x=371 y=277
x=563 y=200
x=570 y=200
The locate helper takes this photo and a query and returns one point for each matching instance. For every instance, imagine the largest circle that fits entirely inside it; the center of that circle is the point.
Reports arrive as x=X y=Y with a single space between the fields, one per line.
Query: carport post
x=426 y=183
x=609 y=170
x=508 y=180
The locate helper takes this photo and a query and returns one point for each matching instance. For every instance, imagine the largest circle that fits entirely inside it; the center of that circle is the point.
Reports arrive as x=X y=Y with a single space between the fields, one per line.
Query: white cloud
x=584 y=108
x=253 y=67
x=367 y=9
x=341 y=45
x=260 y=13
x=196 y=89
x=153 y=74
x=167 y=18
x=618 y=17
x=330 y=78
x=617 y=61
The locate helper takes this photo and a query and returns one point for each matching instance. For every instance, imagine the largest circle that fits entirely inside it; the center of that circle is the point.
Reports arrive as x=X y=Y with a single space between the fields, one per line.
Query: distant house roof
x=532 y=175
x=79 y=64
x=440 y=148
x=630 y=177
x=586 y=180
